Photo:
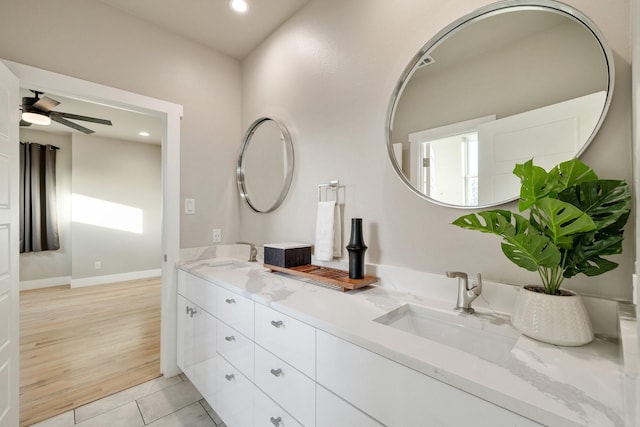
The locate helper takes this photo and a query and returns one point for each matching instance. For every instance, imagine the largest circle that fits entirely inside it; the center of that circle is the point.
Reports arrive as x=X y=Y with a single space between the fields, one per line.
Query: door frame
x=171 y=115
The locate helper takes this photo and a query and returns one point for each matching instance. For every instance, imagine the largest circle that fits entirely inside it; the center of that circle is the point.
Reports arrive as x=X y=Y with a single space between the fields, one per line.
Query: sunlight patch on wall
x=101 y=213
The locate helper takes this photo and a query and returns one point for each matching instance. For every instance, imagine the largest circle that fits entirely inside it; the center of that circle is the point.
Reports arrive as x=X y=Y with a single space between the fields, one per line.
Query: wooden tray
x=330 y=276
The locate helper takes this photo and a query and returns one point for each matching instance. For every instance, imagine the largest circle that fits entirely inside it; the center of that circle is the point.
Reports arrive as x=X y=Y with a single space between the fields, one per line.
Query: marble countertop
x=555 y=386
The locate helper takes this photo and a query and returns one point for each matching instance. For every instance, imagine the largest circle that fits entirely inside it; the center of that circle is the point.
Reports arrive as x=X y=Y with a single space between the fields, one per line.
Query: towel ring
x=333 y=186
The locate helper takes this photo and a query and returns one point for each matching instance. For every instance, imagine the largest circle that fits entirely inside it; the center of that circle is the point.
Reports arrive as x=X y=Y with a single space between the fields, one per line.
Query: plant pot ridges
x=554 y=319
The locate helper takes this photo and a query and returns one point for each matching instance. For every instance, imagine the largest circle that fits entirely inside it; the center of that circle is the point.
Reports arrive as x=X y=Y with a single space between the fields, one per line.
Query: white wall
x=92 y=41
x=328 y=74
x=115 y=176
x=52 y=264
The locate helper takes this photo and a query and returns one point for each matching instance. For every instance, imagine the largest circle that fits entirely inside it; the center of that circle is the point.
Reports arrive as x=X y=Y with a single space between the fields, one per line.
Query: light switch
x=189 y=206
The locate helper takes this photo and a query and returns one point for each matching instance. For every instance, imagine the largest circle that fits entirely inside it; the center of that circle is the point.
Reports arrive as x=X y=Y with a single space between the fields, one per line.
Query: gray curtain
x=38 y=216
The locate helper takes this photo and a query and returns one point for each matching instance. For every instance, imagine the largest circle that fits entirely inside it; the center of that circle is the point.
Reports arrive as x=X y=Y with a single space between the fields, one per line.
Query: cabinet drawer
x=334 y=412
x=236 y=348
x=198 y=291
x=286 y=385
x=234 y=397
x=269 y=413
x=236 y=311
x=288 y=338
x=399 y=396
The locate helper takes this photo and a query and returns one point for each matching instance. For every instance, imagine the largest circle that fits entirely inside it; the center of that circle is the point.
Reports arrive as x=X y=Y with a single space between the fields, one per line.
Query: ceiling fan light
x=240 y=6
x=36 y=118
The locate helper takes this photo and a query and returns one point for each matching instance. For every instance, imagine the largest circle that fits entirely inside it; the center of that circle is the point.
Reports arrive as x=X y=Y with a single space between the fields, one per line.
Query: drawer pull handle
x=229 y=377
x=276 y=372
x=230 y=301
x=188 y=310
x=276 y=421
x=277 y=324
x=193 y=312
x=230 y=338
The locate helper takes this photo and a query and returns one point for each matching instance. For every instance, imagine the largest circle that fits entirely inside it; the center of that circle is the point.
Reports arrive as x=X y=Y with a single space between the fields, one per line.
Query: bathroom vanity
x=267 y=349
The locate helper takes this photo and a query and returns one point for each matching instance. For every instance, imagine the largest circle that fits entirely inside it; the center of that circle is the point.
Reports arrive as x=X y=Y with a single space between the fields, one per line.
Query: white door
x=9 y=224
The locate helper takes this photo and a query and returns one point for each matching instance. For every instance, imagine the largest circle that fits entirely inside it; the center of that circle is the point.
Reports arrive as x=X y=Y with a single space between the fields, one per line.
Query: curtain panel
x=38 y=209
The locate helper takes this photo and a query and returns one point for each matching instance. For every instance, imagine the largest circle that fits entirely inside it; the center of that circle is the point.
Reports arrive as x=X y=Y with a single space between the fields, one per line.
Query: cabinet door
x=268 y=413
x=399 y=396
x=331 y=411
x=234 y=401
x=204 y=354
x=185 y=336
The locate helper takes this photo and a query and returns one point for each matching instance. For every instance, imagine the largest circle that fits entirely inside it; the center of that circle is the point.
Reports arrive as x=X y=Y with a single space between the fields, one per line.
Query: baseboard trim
x=113 y=278
x=44 y=283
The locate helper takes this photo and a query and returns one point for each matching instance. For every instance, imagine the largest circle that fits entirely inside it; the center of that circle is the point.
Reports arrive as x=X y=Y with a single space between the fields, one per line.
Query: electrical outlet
x=217 y=235
x=98 y=265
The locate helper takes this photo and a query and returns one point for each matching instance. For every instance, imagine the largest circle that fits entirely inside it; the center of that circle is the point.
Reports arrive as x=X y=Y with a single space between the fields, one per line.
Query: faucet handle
x=477 y=289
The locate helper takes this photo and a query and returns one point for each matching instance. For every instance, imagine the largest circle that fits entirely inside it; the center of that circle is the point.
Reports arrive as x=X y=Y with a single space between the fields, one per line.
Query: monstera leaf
x=605 y=201
x=534 y=184
x=561 y=220
x=523 y=245
x=570 y=173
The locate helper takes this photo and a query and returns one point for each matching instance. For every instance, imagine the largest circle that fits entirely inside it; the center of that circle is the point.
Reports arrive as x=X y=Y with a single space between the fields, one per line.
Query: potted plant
x=575 y=218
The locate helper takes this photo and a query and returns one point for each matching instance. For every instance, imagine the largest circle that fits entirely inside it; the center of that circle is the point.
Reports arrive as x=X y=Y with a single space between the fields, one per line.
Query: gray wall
x=92 y=41
x=328 y=74
x=52 y=264
x=126 y=174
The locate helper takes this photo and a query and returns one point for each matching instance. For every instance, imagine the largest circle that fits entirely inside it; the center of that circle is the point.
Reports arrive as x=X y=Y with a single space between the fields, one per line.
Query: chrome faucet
x=253 y=251
x=466 y=295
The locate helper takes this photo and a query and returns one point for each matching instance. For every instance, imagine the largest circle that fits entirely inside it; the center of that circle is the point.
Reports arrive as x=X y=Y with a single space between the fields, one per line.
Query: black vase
x=356 y=248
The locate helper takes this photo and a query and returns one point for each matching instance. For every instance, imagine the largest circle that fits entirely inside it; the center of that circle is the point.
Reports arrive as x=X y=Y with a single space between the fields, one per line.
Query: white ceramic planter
x=555 y=319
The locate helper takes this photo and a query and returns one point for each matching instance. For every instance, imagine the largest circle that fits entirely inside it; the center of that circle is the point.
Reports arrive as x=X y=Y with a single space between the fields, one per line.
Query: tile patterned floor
x=163 y=402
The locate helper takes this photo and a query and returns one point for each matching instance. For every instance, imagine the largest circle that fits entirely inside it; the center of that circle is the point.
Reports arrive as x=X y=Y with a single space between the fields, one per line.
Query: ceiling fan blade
x=84 y=118
x=57 y=118
x=24 y=123
x=46 y=104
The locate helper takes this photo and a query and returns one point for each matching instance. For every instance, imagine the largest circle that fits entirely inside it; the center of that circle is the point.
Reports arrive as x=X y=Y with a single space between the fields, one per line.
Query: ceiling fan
x=39 y=110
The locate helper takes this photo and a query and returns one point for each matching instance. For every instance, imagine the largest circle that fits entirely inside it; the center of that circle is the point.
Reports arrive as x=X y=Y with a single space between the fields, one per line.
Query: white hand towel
x=337 y=232
x=325 y=230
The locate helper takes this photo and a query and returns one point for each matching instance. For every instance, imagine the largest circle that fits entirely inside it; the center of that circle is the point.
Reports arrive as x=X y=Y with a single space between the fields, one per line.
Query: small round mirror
x=515 y=80
x=265 y=165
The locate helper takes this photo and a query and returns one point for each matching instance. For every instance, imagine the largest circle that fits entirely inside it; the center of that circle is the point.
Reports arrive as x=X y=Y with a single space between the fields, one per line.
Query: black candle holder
x=356 y=248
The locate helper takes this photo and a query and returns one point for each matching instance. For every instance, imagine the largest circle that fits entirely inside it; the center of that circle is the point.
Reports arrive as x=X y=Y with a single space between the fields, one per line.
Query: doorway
x=170 y=114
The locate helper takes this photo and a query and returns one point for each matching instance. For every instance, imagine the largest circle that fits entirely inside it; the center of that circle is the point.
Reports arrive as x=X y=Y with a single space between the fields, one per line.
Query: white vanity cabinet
x=257 y=366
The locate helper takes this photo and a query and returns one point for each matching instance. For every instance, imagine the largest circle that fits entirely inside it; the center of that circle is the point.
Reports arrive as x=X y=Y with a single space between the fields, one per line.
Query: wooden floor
x=78 y=345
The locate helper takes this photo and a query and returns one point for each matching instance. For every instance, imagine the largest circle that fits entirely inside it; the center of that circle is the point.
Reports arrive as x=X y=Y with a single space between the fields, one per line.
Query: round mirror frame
x=478 y=14
x=240 y=173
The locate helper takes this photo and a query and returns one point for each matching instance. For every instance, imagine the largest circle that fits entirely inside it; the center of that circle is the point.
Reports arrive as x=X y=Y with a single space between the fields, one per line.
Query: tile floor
x=162 y=402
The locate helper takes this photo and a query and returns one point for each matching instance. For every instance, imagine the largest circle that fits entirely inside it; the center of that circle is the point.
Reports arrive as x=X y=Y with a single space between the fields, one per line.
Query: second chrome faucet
x=466 y=294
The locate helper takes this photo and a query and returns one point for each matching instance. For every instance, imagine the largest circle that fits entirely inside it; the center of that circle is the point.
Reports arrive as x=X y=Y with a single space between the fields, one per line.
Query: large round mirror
x=512 y=81
x=265 y=165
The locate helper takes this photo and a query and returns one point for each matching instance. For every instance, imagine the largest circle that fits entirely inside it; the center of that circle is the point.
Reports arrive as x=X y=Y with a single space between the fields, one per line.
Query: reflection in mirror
x=265 y=165
x=510 y=82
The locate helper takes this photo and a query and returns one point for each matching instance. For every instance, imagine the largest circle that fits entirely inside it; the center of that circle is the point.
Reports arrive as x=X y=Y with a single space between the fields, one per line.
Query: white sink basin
x=488 y=336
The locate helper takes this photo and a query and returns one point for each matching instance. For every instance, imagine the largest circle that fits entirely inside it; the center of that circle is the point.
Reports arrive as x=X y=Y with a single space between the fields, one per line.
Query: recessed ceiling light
x=143 y=133
x=240 y=6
